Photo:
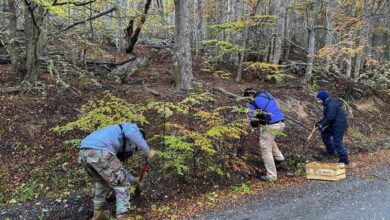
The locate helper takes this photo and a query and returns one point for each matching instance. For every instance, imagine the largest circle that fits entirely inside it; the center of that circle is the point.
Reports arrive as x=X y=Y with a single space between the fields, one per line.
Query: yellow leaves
x=262 y=65
x=104 y=112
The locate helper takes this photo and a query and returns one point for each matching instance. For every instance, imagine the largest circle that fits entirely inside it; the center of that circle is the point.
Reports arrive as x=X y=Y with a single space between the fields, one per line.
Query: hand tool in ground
x=143 y=172
x=302 y=151
x=144 y=168
x=315 y=128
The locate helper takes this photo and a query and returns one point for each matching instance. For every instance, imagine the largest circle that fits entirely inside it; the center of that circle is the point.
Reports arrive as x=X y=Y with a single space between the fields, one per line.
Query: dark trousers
x=333 y=140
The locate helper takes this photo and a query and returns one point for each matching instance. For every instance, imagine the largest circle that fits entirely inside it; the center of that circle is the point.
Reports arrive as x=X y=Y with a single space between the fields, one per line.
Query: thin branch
x=32 y=15
x=322 y=27
x=72 y=3
x=219 y=89
x=84 y=21
x=295 y=44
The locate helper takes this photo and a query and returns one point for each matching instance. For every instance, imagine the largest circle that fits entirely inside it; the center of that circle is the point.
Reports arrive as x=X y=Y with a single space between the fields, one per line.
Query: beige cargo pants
x=269 y=149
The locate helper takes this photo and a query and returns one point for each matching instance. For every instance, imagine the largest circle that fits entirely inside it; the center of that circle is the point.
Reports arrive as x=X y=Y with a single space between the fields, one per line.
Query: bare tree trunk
x=312 y=42
x=13 y=47
x=119 y=32
x=133 y=37
x=329 y=32
x=243 y=44
x=182 y=59
x=368 y=48
x=310 y=56
x=221 y=18
x=279 y=31
x=287 y=34
x=351 y=36
x=198 y=32
x=160 y=6
x=34 y=16
x=237 y=38
x=204 y=22
x=364 y=31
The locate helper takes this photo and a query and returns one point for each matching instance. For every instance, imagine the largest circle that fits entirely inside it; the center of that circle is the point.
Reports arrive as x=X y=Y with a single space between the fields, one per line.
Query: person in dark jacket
x=271 y=118
x=333 y=125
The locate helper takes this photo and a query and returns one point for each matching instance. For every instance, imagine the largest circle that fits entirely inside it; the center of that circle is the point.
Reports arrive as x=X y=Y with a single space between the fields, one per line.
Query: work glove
x=131 y=179
x=137 y=181
x=150 y=153
x=318 y=125
x=254 y=123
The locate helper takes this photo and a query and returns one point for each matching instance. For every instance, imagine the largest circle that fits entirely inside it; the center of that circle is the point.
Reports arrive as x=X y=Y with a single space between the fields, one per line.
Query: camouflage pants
x=108 y=172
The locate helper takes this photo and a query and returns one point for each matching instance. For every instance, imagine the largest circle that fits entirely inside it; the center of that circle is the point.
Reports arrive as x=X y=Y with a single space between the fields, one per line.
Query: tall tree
x=132 y=36
x=33 y=25
x=182 y=59
x=330 y=36
x=351 y=36
x=312 y=28
x=364 y=32
x=279 y=31
x=14 y=44
x=244 y=42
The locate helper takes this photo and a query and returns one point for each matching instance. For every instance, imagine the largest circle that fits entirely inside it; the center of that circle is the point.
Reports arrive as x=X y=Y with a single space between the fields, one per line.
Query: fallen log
x=129 y=68
x=10 y=89
x=224 y=91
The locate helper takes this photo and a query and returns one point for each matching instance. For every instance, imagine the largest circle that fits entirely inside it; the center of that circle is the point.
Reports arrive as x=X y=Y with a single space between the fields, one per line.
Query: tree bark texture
x=312 y=41
x=133 y=38
x=329 y=32
x=14 y=44
x=34 y=16
x=352 y=38
x=364 y=33
x=279 y=31
x=182 y=59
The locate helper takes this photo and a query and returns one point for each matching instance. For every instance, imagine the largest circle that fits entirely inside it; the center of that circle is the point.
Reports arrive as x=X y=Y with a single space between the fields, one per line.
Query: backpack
x=263 y=117
x=122 y=153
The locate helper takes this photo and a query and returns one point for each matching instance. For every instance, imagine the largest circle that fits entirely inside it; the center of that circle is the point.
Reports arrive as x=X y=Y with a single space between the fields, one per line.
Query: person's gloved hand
x=318 y=125
x=150 y=153
x=254 y=123
x=131 y=179
x=136 y=180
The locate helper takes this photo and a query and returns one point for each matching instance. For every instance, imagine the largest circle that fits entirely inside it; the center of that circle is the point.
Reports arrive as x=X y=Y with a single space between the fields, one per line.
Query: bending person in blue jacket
x=272 y=120
x=333 y=125
x=102 y=154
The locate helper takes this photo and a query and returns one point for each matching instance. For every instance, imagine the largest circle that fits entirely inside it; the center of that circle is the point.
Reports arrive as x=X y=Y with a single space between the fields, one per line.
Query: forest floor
x=39 y=177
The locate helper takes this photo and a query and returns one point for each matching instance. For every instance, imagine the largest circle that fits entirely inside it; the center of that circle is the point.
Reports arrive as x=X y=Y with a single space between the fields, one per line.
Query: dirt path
x=358 y=197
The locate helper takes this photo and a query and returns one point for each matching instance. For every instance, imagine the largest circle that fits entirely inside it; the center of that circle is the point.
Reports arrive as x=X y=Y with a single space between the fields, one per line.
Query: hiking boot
x=345 y=162
x=280 y=165
x=100 y=214
x=266 y=179
x=327 y=155
x=124 y=216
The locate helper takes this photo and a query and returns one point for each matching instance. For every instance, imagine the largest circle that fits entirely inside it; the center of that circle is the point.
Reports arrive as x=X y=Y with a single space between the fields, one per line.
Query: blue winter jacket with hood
x=334 y=115
x=267 y=103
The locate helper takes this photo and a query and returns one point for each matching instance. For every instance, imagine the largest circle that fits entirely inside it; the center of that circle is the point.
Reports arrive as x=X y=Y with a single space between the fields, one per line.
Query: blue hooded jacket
x=111 y=139
x=267 y=103
x=334 y=115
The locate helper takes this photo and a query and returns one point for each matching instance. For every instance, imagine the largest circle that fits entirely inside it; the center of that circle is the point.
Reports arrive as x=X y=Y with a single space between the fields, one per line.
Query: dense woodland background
x=347 y=39
x=179 y=69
